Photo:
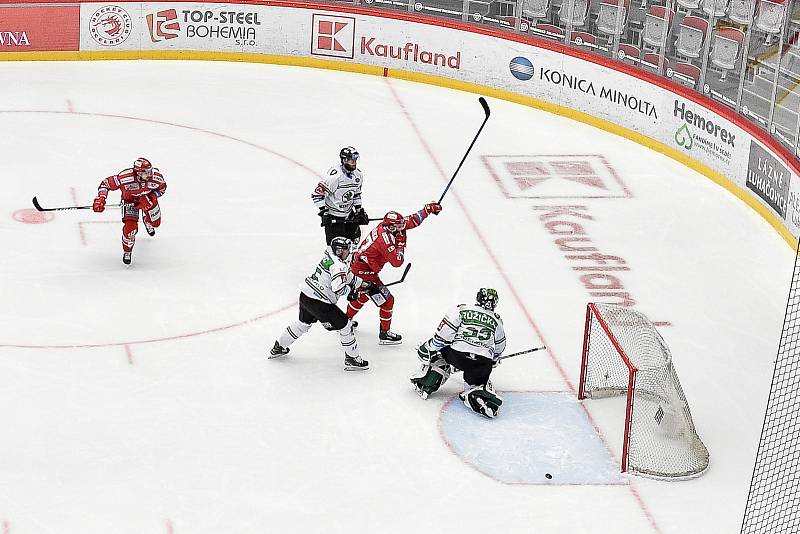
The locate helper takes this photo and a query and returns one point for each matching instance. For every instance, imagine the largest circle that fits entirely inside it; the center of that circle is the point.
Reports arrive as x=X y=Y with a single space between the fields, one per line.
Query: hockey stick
x=401 y=278
x=520 y=353
x=40 y=208
x=487 y=112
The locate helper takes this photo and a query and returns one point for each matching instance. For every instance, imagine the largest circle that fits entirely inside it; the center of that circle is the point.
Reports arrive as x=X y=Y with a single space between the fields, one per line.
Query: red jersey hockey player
x=385 y=243
x=141 y=185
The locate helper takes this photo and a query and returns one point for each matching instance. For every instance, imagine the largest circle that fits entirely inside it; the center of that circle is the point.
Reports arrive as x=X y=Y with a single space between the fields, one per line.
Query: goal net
x=623 y=354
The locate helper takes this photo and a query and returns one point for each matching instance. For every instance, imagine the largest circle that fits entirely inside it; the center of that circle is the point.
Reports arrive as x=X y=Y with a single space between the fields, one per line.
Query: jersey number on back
x=481 y=333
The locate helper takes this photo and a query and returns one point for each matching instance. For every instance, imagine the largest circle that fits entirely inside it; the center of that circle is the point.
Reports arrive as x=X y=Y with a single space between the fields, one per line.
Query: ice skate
x=355 y=364
x=387 y=337
x=126 y=258
x=151 y=231
x=277 y=351
x=419 y=388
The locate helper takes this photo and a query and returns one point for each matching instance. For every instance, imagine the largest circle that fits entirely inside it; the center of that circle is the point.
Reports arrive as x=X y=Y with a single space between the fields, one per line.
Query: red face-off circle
x=31 y=216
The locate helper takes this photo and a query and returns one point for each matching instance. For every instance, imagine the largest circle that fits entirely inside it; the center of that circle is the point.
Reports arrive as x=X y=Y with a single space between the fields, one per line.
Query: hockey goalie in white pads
x=471 y=339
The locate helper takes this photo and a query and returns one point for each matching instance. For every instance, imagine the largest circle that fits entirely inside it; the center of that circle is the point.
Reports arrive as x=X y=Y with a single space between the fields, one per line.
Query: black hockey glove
x=370 y=288
x=326 y=218
x=359 y=216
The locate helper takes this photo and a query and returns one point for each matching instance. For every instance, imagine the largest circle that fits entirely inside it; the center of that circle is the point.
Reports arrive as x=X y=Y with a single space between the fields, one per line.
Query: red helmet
x=394 y=222
x=142 y=165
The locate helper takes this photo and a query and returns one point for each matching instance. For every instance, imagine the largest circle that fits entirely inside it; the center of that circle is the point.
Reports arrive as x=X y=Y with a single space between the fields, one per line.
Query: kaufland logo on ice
x=333 y=36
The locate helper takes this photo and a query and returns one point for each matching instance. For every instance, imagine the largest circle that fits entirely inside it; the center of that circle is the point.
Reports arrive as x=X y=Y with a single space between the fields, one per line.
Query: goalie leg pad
x=424 y=352
x=482 y=400
x=431 y=377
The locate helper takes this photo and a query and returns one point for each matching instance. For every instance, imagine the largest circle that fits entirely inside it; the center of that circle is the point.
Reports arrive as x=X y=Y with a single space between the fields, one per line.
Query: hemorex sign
x=768 y=178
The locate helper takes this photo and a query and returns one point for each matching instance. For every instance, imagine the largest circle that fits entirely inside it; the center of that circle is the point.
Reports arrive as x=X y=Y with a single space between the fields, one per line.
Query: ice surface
x=140 y=400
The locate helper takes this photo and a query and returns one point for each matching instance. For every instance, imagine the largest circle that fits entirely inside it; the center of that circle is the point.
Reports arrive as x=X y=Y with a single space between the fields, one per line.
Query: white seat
x=691 y=34
x=726 y=43
x=533 y=10
x=573 y=12
x=656 y=26
x=715 y=8
x=770 y=18
x=611 y=18
x=741 y=11
x=689 y=5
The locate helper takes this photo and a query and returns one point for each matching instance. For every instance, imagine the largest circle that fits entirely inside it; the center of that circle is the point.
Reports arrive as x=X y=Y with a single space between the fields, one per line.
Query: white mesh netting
x=773 y=503
x=623 y=348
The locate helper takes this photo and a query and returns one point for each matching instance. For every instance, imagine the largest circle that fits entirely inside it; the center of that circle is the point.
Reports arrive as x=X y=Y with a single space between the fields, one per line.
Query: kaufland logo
x=333 y=36
x=409 y=51
x=163 y=25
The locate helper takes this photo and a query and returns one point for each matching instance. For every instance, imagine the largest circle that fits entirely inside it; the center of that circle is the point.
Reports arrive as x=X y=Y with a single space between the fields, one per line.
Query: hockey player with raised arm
x=318 y=296
x=471 y=339
x=385 y=243
x=338 y=198
x=141 y=186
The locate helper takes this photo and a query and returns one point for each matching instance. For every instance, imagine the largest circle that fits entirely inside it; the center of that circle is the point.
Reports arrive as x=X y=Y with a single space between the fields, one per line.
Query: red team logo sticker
x=163 y=25
x=556 y=176
x=333 y=36
x=110 y=25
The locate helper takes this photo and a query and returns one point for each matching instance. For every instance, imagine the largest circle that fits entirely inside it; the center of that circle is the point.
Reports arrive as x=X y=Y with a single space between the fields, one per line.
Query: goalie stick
x=486 y=110
x=40 y=208
x=520 y=353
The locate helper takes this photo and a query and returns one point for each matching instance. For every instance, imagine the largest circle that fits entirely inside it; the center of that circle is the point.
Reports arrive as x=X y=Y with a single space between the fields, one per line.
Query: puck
x=548 y=476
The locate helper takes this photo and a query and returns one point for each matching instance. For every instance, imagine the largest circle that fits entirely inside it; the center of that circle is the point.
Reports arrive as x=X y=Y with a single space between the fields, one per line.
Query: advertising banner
x=175 y=26
x=39 y=28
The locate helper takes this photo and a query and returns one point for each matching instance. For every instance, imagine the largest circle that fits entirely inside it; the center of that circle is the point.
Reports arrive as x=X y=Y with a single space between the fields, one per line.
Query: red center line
x=156 y=340
x=508 y=282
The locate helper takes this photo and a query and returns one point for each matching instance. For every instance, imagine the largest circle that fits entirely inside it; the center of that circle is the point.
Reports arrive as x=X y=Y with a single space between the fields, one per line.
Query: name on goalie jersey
x=472 y=316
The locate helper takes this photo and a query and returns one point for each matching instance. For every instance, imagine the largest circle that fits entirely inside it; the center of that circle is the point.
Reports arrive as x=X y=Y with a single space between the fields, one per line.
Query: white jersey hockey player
x=318 y=296
x=470 y=338
x=338 y=198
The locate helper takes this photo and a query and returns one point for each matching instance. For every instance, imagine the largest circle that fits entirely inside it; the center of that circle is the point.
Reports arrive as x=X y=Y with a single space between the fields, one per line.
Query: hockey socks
x=355 y=305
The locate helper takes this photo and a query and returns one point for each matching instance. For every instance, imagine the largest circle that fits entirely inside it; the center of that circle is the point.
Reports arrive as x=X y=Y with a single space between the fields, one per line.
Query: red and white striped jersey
x=131 y=186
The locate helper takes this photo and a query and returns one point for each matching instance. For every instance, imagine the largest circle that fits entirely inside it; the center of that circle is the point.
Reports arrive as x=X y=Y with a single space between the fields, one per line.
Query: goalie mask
x=349 y=158
x=143 y=166
x=394 y=222
x=342 y=247
x=487 y=298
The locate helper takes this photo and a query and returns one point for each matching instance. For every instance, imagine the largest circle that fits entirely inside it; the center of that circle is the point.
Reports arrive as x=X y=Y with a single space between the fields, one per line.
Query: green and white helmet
x=487 y=298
